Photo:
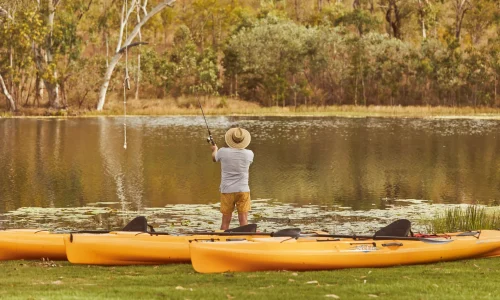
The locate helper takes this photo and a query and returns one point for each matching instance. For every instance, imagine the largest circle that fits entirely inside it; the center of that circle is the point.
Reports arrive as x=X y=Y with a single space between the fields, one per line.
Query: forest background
x=80 y=54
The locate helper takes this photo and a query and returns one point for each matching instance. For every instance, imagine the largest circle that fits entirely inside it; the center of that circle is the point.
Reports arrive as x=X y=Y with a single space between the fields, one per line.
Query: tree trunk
x=496 y=81
x=119 y=53
x=39 y=90
x=461 y=7
x=138 y=74
x=10 y=100
x=53 y=86
x=297 y=10
x=393 y=17
x=294 y=92
x=53 y=93
x=421 y=14
x=236 y=86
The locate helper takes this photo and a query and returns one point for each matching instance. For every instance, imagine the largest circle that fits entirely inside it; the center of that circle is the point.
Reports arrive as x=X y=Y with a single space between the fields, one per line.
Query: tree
x=481 y=16
x=395 y=12
x=128 y=42
x=426 y=15
x=265 y=58
x=19 y=29
x=460 y=7
x=5 y=19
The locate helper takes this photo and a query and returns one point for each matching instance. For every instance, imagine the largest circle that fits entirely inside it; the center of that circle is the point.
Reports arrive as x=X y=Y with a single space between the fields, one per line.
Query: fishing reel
x=210 y=140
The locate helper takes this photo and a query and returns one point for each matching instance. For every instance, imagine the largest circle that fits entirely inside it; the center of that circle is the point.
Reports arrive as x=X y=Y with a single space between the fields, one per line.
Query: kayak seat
x=138 y=224
x=399 y=228
x=245 y=228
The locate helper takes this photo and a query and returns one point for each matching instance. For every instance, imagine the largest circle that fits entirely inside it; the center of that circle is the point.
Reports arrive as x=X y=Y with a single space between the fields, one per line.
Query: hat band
x=236 y=139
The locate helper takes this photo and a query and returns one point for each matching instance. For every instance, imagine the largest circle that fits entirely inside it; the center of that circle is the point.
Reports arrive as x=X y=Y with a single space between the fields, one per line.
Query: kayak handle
x=365 y=243
x=204 y=240
x=392 y=244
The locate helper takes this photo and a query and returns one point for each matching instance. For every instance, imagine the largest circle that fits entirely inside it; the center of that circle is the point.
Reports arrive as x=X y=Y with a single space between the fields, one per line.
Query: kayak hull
x=129 y=248
x=31 y=244
x=249 y=256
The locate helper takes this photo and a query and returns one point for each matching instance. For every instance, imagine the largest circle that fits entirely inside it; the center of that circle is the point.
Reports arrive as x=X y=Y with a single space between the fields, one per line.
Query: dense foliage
x=274 y=52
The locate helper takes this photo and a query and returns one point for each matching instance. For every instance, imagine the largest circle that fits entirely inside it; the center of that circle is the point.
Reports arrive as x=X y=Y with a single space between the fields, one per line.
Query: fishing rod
x=209 y=138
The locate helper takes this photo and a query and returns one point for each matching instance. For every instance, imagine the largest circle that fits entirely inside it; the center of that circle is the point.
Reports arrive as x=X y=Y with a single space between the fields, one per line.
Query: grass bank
x=224 y=106
x=470 y=279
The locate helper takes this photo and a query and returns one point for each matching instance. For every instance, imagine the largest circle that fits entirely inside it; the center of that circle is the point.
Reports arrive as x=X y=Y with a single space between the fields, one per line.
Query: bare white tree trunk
x=138 y=74
x=44 y=58
x=421 y=13
x=53 y=85
x=119 y=52
x=6 y=93
x=39 y=90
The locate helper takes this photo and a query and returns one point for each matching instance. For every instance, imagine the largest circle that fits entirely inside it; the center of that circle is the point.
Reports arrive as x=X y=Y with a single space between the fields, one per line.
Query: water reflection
x=318 y=160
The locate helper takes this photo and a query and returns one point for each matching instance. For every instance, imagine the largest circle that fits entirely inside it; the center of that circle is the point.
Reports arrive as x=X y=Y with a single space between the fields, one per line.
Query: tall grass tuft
x=455 y=219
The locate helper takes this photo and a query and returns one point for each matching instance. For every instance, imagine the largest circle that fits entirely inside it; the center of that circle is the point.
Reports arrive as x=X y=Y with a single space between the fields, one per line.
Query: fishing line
x=126 y=85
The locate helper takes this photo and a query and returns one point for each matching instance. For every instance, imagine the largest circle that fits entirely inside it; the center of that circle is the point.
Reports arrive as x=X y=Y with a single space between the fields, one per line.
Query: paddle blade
x=138 y=224
x=399 y=228
x=245 y=228
x=290 y=232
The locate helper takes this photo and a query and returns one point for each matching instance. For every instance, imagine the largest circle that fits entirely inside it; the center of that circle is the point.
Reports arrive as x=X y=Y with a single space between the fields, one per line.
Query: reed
x=473 y=217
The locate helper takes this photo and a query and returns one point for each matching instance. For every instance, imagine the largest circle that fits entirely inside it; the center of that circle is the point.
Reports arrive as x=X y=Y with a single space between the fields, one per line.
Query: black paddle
x=369 y=237
x=289 y=232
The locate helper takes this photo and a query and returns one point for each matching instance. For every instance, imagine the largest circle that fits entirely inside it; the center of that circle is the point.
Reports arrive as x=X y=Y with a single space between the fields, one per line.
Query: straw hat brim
x=243 y=144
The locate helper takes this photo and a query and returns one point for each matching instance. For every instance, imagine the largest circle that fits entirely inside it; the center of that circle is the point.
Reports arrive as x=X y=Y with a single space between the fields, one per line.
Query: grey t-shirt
x=234 y=169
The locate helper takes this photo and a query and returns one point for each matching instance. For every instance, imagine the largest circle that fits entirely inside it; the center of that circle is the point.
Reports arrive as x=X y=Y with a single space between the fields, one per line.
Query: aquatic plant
x=472 y=217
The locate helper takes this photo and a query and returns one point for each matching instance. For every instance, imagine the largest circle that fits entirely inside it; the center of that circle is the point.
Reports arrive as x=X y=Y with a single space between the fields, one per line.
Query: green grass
x=472 y=217
x=470 y=279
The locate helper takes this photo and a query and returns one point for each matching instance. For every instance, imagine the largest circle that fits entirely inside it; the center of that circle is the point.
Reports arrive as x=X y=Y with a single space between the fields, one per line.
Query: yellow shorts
x=228 y=201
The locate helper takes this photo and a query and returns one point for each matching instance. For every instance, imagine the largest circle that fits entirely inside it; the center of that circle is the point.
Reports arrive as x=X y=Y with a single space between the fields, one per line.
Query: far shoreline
x=231 y=107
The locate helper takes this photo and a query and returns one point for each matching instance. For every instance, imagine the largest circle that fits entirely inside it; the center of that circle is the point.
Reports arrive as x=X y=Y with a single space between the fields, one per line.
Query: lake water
x=360 y=163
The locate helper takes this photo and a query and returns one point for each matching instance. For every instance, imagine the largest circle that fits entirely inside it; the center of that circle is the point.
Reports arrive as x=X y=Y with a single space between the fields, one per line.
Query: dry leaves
x=266 y=287
x=312 y=282
x=332 y=296
x=182 y=288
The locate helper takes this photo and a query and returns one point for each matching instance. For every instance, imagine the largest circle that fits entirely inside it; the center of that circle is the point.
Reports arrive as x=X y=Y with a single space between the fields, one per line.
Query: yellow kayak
x=31 y=244
x=314 y=253
x=126 y=245
x=132 y=248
